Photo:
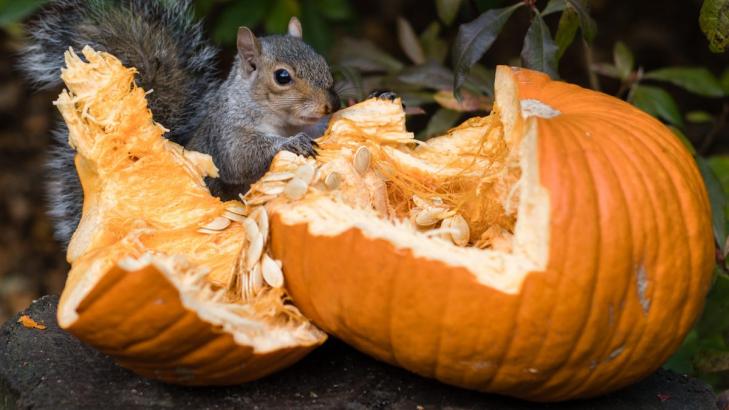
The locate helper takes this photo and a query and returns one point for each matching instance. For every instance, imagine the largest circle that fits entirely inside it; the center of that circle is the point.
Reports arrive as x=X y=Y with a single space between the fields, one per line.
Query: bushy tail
x=158 y=37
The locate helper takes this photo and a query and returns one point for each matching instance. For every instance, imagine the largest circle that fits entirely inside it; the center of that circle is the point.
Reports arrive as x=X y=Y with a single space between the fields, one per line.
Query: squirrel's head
x=287 y=76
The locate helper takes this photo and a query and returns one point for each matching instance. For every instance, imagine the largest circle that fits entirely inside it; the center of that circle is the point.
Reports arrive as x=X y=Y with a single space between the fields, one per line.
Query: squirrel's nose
x=333 y=103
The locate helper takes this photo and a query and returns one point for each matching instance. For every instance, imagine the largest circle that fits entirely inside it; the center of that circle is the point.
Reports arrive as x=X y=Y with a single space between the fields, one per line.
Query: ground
x=50 y=369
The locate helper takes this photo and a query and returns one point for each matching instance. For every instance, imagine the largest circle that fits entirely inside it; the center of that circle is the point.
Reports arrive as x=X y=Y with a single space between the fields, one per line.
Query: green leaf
x=608 y=70
x=277 y=20
x=699 y=117
x=717 y=198
x=724 y=80
x=447 y=10
x=409 y=41
x=554 y=6
x=689 y=146
x=657 y=102
x=435 y=48
x=364 y=56
x=716 y=311
x=587 y=24
x=475 y=38
x=430 y=75
x=483 y=79
x=714 y=22
x=242 y=13
x=13 y=11
x=441 y=121
x=540 y=51
x=566 y=30
x=698 y=80
x=720 y=165
x=334 y=9
x=682 y=361
x=317 y=32
x=624 y=61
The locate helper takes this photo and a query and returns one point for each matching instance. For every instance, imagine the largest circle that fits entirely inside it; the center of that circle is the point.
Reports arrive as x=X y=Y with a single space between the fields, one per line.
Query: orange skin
x=630 y=263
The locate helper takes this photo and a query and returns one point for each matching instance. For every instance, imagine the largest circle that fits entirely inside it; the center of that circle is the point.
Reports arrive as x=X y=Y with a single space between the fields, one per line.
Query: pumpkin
x=560 y=248
x=156 y=260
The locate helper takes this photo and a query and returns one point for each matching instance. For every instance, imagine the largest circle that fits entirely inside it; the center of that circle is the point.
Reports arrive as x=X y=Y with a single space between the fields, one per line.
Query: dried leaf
x=714 y=22
x=469 y=102
x=409 y=41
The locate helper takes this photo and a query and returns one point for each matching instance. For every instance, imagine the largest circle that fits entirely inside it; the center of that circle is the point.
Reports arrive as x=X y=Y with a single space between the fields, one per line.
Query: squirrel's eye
x=282 y=76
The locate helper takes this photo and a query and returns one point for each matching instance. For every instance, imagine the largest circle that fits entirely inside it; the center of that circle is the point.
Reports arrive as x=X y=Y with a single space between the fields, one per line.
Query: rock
x=50 y=369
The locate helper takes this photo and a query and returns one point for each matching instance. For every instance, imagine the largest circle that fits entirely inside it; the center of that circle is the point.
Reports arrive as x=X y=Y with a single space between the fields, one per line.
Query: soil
x=50 y=369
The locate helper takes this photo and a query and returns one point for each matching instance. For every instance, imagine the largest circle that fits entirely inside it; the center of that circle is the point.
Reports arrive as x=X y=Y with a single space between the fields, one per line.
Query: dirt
x=50 y=369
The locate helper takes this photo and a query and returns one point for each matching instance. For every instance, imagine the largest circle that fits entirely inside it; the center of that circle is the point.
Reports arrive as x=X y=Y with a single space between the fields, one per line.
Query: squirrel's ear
x=295 y=28
x=248 y=48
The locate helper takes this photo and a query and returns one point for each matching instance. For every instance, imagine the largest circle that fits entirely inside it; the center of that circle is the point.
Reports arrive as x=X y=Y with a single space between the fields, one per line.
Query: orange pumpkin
x=559 y=248
x=599 y=266
x=156 y=262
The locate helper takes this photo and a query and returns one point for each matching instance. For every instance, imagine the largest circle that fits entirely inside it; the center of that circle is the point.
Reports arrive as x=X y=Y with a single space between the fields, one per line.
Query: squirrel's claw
x=301 y=144
x=384 y=95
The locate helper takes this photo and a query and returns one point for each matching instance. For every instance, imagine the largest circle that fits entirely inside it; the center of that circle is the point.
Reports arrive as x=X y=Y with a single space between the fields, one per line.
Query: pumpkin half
x=159 y=266
x=559 y=248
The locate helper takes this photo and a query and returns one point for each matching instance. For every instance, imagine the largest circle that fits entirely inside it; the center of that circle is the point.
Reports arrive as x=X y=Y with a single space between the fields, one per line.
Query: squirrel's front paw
x=301 y=144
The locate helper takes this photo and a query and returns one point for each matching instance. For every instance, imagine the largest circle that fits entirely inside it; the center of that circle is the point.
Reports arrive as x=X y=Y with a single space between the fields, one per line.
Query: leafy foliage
x=714 y=21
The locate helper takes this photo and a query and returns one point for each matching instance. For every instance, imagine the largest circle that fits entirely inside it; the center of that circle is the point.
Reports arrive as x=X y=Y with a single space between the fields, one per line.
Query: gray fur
x=242 y=122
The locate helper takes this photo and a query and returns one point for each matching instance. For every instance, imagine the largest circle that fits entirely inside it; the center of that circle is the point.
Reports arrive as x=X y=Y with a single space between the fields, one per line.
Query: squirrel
x=277 y=87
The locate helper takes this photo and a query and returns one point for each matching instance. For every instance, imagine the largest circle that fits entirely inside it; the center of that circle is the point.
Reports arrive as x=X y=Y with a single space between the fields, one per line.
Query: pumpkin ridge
x=599 y=175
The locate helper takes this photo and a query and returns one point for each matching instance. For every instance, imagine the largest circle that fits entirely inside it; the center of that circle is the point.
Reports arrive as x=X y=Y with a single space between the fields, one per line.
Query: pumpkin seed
x=305 y=173
x=273 y=188
x=234 y=216
x=251 y=229
x=272 y=273
x=333 y=180
x=362 y=159
x=237 y=209
x=429 y=216
x=277 y=176
x=262 y=199
x=254 y=251
x=255 y=277
x=261 y=217
x=420 y=202
x=296 y=189
x=217 y=224
x=460 y=232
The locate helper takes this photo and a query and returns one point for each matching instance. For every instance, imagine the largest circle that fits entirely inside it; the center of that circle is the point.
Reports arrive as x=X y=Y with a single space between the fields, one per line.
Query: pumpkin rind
x=629 y=264
x=147 y=286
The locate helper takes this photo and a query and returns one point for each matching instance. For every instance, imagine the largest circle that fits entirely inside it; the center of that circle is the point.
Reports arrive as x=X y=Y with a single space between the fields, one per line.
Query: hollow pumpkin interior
x=417 y=195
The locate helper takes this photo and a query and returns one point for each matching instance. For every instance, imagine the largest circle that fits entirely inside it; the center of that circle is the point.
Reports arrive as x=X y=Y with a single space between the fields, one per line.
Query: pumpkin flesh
x=587 y=290
x=148 y=285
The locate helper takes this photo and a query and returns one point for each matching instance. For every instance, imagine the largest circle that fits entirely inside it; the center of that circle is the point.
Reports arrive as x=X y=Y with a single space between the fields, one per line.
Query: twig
x=587 y=53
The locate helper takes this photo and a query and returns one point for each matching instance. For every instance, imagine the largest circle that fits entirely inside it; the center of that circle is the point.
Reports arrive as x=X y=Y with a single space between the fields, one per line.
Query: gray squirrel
x=278 y=86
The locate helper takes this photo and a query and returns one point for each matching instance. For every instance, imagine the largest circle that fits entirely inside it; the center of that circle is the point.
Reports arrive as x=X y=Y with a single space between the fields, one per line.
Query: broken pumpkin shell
x=605 y=254
x=145 y=287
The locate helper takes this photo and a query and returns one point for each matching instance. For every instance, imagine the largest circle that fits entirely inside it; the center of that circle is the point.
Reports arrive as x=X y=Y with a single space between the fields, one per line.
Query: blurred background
x=668 y=58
